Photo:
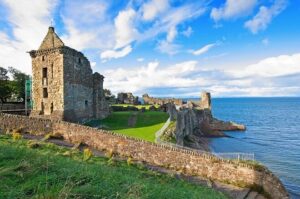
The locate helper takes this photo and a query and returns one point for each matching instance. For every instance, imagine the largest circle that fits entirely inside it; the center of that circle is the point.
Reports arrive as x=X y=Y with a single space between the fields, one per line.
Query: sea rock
x=195 y=121
x=172 y=111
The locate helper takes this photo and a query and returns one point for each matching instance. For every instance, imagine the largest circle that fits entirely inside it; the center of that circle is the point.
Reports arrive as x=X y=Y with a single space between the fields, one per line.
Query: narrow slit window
x=86 y=103
x=45 y=92
x=51 y=107
x=45 y=72
x=52 y=70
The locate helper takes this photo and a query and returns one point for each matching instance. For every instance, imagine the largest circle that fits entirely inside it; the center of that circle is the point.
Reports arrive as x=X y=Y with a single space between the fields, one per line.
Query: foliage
x=129 y=161
x=14 y=87
x=16 y=136
x=5 y=86
x=87 y=154
x=18 y=82
x=109 y=96
x=44 y=172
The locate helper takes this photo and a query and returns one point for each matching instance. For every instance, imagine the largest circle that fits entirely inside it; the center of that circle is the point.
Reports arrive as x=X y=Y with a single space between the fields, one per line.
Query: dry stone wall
x=187 y=161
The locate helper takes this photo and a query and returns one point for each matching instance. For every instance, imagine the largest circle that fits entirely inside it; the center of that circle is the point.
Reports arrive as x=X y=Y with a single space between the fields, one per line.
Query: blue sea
x=273 y=134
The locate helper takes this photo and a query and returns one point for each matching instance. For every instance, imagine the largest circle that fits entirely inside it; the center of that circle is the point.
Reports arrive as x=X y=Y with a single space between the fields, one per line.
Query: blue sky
x=167 y=47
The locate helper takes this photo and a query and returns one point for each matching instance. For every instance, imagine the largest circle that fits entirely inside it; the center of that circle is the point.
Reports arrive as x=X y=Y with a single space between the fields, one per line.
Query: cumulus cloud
x=114 y=54
x=274 y=76
x=125 y=29
x=168 y=47
x=139 y=79
x=204 y=49
x=152 y=8
x=233 y=9
x=273 y=67
x=28 y=19
x=87 y=24
x=265 y=15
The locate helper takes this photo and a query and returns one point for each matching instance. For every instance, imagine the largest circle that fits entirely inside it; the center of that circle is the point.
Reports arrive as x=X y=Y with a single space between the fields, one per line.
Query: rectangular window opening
x=45 y=92
x=45 y=72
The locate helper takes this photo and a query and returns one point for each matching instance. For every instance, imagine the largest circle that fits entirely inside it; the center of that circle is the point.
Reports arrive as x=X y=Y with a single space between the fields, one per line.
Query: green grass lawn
x=50 y=171
x=146 y=125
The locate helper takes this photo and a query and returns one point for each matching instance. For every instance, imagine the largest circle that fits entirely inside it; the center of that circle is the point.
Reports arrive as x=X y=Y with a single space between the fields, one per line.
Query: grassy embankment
x=47 y=171
x=144 y=127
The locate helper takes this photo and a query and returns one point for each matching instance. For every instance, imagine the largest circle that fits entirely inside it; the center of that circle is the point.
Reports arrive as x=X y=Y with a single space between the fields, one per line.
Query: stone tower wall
x=205 y=100
x=78 y=86
x=52 y=61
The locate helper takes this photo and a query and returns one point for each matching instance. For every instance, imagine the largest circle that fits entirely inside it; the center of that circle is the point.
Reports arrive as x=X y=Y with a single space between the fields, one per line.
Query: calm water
x=273 y=134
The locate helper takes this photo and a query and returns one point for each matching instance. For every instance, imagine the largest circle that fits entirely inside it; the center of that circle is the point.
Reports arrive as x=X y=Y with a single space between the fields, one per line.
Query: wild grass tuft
x=87 y=154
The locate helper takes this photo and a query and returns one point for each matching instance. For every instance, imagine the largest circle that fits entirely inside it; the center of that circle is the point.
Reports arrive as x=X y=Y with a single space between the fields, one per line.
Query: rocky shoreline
x=195 y=123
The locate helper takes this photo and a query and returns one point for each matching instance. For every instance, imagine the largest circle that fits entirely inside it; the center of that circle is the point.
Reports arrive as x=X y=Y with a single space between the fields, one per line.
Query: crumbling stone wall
x=188 y=161
x=127 y=98
x=161 y=101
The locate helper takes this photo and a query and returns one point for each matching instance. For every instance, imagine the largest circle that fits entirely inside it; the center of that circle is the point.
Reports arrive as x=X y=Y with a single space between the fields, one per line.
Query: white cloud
x=233 y=9
x=125 y=30
x=152 y=8
x=29 y=21
x=139 y=79
x=273 y=67
x=172 y=34
x=141 y=59
x=87 y=24
x=204 y=49
x=265 y=15
x=188 y=31
x=168 y=48
x=172 y=18
x=114 y=54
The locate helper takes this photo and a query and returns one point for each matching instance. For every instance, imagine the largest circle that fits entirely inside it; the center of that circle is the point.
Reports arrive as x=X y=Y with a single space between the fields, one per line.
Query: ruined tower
x=205 y=102
x=64 y=86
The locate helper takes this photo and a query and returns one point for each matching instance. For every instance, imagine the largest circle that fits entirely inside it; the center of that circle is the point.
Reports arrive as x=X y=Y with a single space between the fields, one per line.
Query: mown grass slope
x=49 y=171
x=145 y=127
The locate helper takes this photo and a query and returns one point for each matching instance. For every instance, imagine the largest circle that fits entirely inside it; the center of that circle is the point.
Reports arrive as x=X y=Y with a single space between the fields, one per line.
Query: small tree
x=5 y=85
x=18 y=83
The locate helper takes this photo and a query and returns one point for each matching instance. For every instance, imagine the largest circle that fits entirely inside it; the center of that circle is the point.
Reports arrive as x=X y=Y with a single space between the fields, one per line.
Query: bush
x=87 y=154
x=124 y=108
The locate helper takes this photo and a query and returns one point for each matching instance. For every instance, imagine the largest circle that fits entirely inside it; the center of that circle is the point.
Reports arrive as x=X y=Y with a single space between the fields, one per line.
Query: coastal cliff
x=195 y=121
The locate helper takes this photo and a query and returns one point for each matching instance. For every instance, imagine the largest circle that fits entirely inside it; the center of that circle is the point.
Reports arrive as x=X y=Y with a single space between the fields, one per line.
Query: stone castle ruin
x=64 y=85
x=127 y=98
x=161 y=101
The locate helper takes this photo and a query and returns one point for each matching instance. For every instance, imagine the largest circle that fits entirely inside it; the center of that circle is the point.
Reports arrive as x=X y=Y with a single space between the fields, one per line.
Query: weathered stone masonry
x=64 y=85
x=188 y=161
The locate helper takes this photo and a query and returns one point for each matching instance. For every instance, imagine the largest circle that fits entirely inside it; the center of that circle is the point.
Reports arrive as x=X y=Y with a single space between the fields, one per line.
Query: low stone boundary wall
x=186 y=161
